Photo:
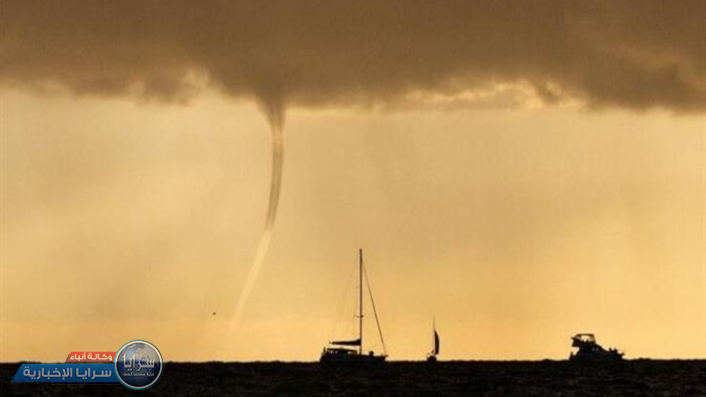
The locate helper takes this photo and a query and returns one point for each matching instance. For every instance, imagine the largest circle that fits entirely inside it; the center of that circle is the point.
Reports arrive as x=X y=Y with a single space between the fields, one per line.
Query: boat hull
x=351 y=359
x=605 y=356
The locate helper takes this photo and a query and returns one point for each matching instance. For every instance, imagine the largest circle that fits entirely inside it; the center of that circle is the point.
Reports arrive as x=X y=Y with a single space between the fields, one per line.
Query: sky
x=517 y=171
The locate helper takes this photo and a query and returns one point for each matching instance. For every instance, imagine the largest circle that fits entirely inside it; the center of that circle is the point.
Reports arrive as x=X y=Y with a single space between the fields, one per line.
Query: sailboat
x=351 y=351
x=431 y=356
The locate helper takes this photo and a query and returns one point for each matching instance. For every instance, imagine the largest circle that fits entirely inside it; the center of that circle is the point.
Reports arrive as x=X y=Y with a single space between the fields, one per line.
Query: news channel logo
x=138 y=364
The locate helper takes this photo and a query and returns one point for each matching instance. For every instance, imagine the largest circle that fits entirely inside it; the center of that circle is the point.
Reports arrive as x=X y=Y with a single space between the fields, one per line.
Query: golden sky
x=519 y=173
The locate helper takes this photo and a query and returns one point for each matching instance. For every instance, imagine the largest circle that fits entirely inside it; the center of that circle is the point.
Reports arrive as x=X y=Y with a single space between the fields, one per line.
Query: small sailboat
x=431 y=356
x=351 y=351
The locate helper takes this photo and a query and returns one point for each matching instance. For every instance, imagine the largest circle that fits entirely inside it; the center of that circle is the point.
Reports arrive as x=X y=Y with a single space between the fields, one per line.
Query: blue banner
x=66 y=373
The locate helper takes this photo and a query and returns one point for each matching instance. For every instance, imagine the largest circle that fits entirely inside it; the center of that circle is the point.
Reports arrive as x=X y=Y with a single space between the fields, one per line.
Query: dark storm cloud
x=639 y=55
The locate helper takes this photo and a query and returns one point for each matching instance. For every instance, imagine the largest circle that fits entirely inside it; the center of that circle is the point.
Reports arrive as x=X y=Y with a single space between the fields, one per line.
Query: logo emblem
x=138 y=364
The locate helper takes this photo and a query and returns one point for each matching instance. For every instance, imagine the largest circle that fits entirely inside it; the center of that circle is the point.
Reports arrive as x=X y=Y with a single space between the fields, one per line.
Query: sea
x=637 y=378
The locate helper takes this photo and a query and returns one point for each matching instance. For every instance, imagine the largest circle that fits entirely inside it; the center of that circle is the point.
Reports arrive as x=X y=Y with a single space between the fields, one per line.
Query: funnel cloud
x=274 y=110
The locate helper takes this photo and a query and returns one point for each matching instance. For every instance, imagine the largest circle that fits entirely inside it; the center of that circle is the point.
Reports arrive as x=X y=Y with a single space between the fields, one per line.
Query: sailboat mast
x=360 y=300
